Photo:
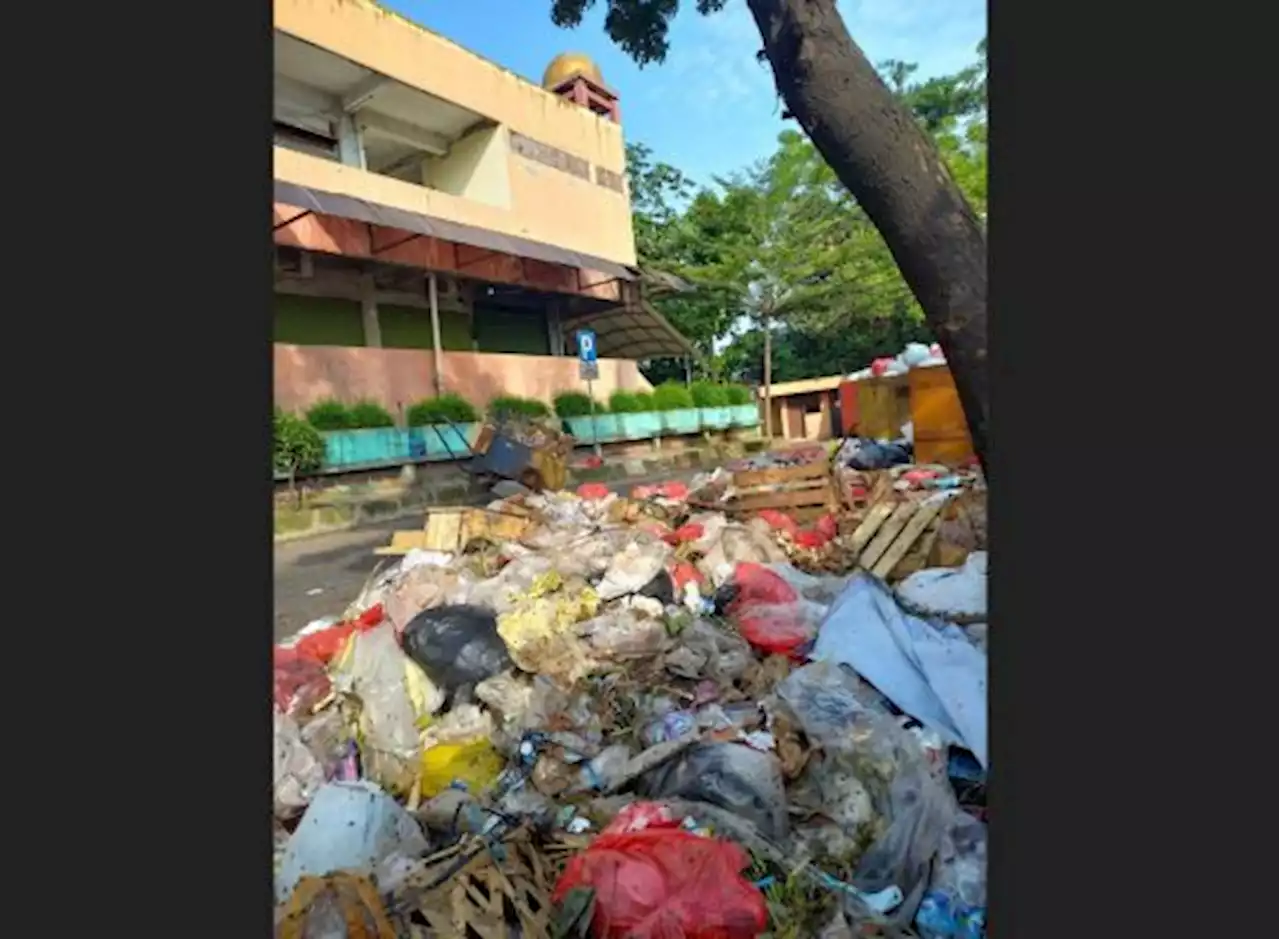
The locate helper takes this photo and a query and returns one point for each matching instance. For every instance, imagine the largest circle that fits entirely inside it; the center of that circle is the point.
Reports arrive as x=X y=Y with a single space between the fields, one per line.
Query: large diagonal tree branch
x=884 y=158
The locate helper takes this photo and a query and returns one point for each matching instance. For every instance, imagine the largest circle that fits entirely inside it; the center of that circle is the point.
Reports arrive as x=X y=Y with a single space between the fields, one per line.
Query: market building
x=441 y=224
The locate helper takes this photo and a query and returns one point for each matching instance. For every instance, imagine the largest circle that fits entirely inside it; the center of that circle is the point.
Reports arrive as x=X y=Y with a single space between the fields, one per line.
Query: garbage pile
x=642 y=720
x=913 y=355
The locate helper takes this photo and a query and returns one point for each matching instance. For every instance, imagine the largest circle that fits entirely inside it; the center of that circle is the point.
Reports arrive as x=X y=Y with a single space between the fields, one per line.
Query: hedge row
x=299 y=446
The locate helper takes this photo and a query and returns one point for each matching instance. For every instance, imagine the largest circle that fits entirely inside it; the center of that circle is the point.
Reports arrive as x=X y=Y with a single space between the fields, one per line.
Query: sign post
x=589 y=371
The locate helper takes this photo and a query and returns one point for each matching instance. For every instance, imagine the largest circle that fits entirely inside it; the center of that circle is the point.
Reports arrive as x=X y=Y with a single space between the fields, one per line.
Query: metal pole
x=768 y=380
x=595 y=431
x=433 y=299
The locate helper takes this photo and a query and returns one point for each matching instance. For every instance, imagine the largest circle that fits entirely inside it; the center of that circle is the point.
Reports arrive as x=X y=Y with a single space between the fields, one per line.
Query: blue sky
x=710 y=107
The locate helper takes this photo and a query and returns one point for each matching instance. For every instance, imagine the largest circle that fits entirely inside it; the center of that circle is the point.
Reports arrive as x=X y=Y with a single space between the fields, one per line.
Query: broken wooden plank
x=442 y=531
x=876 y=516
x=402 y=542
x=923 y=517
x=888 y=532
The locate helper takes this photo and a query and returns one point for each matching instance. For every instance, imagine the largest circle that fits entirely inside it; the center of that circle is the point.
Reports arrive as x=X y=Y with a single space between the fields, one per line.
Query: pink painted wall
x=399 y=377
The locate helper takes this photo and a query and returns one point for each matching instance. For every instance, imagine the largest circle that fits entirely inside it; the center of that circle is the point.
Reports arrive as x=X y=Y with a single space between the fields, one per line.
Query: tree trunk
x=768 y=379
x=877 y=150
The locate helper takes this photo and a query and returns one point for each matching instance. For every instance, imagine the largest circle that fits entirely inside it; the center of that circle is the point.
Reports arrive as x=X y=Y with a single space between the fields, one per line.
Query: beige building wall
x=397 y=378
x=535 y=201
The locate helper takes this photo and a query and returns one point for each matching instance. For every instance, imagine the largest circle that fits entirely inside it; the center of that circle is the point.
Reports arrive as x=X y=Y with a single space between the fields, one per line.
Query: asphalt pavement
x=319 y=576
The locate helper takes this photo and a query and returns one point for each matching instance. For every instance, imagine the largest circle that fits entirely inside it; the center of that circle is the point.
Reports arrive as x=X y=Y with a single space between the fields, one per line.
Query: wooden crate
x=450 y=530
x=941 y=431
x=884 y=405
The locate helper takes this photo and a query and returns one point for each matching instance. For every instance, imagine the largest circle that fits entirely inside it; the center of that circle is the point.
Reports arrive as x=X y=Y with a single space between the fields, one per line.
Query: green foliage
x=709 y=394
x=576 y=404
x=507 y=406
x=645 y=402
x=367 y=414
x=329 y=414
x=670 y=396
x=738 y=395
x=296 y=446
x=625 y=402
x=443 y=409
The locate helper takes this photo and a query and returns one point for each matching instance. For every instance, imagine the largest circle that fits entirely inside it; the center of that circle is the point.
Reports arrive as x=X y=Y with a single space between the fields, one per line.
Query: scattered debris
x=750 y=701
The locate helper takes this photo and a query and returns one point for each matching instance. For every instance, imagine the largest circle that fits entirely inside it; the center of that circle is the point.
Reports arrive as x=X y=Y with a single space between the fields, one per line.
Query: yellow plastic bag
x=473 y=762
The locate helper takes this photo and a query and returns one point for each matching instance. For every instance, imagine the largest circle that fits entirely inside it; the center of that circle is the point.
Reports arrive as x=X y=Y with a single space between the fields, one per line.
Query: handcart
x=534 y=455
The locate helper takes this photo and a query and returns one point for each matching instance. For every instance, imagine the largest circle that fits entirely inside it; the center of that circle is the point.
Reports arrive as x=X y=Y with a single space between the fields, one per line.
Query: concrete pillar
x=350 y=143
x=369 y=312
x=433 y=299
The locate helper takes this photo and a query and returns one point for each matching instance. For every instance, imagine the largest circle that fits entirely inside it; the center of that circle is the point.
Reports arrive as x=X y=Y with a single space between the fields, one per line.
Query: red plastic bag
x=676 y=491
x=593 y=491
x=323 y=645
x=299 y=683
x=827 y=526
x=779 y=521
x=666 y=883
x=919 y=475
x=768 y=612
x=685 y=573
x=880 y=366
x=685 y=533
x=641 y=815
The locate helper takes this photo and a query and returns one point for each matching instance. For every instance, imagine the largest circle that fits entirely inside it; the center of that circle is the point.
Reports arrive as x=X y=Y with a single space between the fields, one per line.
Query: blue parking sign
x=586 y=345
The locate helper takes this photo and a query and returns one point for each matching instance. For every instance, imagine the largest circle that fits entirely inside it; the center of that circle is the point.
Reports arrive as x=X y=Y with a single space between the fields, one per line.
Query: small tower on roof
x=574 y=76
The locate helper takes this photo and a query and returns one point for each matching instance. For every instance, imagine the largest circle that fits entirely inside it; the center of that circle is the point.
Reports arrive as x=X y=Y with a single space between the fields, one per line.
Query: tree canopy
x=783 y=242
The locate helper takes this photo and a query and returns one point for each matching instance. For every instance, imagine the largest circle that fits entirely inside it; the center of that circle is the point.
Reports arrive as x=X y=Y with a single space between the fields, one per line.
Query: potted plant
x=679 y=415
x=635 y=416
x=586 y=421
x=441 y=427
x=712 y=401
x=742 y=406
x=296 y=446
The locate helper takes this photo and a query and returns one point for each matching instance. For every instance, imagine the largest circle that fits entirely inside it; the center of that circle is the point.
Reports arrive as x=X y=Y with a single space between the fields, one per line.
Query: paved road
x=319 y=576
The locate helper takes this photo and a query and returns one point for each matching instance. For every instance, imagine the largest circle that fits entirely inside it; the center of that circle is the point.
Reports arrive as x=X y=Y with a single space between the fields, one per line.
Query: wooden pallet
x=896 y=531
x=450 y=530
x=802 y=491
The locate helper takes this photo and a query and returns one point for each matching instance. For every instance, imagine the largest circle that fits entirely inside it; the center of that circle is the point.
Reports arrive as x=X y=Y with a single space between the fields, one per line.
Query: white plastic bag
x=298 y=774
x=349 y=826
x=958 y=594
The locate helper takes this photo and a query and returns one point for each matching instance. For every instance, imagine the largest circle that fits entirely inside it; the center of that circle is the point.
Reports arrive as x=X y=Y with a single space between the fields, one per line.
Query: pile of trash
x=913 y=355
x=640 y=720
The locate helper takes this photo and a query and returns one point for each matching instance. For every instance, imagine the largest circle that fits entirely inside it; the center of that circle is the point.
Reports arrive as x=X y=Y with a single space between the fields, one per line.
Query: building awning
x=636 y=332
x=373 y=213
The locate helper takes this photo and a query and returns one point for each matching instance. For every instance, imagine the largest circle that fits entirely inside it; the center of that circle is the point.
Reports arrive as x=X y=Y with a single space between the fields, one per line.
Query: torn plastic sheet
x=929 y=670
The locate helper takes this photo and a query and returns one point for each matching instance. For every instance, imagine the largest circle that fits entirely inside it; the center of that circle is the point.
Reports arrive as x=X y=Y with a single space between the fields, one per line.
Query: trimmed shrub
x=329 y=414
x=577 y=404
x=514 y=406
x=708 y=394
x=624 y=402
x=738 y=395
x=296 y=446
x=670 y=396
x=645 y=402
x=368 y=414
x=443 y=409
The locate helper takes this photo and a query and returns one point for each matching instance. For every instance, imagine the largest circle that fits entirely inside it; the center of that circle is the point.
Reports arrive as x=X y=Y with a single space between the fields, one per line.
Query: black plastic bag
x=731 y=776
x=661 y=588
x=457 y=645
x=872 y=455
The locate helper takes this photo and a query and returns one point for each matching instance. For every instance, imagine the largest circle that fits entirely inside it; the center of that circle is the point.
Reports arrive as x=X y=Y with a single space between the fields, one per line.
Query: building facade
x=441 y=224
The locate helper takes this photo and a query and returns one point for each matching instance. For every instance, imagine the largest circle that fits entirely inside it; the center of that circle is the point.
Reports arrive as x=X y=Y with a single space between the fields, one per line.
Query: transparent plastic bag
x=298 y=774
x=394 y=693
x=842 y=714
x=733 y=776
x=955 y=905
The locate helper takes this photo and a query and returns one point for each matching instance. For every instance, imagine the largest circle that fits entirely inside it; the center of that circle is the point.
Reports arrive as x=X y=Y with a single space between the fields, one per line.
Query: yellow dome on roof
x=568 y=64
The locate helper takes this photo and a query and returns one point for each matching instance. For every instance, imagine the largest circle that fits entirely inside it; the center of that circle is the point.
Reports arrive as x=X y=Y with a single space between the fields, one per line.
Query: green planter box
x=644 y=425
x=745 y=415
x=682 y=421
x=717 y=418
x=588 y=430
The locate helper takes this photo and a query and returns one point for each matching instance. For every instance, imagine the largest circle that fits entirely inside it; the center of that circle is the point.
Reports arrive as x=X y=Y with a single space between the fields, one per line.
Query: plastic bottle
x=955 y=906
